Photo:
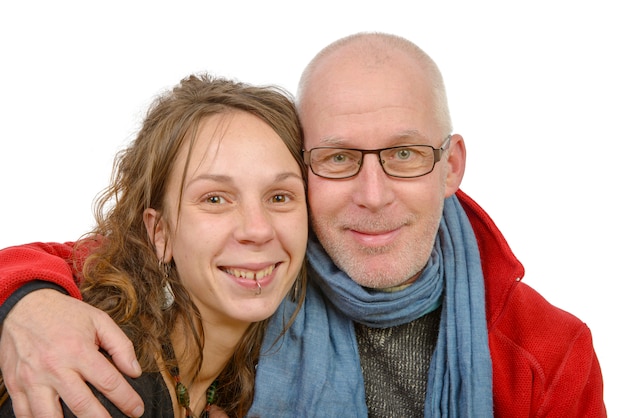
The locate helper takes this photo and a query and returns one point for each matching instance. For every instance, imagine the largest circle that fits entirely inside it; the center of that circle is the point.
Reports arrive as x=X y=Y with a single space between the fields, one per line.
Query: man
x=415 y=305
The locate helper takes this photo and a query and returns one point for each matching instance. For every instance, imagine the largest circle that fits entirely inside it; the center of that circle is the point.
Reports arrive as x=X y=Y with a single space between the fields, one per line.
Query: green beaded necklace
x=182 y=395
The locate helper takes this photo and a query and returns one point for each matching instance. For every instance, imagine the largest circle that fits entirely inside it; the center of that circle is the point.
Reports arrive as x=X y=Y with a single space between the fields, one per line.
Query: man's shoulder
x=531 y=328
x=527 y=314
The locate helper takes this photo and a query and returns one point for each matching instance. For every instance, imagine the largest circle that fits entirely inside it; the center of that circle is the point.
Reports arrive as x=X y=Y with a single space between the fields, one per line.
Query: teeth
x=251 y=275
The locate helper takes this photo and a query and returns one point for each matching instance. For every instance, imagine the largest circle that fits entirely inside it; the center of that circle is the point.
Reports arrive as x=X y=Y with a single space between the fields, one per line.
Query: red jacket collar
x=501 y=269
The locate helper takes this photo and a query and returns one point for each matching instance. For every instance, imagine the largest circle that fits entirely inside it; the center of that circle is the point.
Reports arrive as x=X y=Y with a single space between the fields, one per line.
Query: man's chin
x=366 y=275
x=380 y=283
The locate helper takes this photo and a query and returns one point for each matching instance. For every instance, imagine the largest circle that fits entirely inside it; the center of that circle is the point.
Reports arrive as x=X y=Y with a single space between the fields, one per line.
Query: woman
x=199 y=237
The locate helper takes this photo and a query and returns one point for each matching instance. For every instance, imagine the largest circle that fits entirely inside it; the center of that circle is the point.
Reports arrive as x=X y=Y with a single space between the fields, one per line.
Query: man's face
x=378 y=229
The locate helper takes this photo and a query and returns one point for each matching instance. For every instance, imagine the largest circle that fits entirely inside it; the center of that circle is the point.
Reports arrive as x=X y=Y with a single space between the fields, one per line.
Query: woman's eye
x=216 y=200
x=280 y=198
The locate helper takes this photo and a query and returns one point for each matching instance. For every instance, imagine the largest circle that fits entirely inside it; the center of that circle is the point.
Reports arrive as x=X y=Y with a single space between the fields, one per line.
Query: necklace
x=182 y=395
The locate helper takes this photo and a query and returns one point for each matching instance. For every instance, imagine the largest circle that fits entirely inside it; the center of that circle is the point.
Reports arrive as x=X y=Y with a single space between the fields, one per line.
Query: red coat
x=544 y=364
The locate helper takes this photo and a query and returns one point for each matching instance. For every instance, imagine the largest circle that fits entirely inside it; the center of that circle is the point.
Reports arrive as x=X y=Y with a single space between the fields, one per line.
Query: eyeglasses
x=404 y=161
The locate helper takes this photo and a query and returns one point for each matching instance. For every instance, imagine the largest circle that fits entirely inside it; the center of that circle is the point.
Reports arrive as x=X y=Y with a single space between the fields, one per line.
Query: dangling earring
x=168 y=294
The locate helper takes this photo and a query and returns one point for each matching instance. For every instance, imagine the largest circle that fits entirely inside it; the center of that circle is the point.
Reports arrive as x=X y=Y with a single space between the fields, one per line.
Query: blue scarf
x=314 y=370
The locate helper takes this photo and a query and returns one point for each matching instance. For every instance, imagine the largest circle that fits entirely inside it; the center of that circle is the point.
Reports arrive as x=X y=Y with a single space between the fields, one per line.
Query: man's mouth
x=375 y=238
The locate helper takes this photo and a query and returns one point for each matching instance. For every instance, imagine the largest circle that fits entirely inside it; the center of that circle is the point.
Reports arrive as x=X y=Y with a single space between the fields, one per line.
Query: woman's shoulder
x=152 y=389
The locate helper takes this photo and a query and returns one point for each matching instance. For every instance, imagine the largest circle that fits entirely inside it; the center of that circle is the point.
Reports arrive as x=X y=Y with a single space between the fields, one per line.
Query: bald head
x=350 y=64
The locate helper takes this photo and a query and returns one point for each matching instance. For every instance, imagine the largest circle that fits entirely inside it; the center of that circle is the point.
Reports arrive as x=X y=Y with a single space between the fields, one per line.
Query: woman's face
x=242 y=221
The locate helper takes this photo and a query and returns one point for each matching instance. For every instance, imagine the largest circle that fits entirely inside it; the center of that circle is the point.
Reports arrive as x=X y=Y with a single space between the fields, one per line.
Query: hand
x=49 y=346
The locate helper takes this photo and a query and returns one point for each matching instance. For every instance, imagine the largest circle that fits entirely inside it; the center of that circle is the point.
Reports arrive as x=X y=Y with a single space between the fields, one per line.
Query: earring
x=166 y=268
x=168 y=294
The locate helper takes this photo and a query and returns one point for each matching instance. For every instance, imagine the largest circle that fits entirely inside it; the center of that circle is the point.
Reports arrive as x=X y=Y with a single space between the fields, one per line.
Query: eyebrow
x=220 y=178
x=412 y=134
x=409 y=134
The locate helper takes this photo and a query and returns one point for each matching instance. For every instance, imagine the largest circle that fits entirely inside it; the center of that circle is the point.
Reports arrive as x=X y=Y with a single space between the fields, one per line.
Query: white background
x=536 y=88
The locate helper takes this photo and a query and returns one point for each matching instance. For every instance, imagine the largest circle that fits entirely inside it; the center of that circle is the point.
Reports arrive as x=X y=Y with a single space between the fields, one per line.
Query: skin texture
x=241 y=210
x=235 y=219
x=378 y=229
x=25 y=351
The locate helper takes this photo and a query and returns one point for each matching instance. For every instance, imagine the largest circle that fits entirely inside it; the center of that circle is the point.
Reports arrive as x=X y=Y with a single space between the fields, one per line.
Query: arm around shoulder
x=53 y=263
x=47 y=339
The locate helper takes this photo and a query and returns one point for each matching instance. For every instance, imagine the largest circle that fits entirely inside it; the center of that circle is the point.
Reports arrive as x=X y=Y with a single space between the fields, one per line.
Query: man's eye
x=339 y=158
x=404 y=154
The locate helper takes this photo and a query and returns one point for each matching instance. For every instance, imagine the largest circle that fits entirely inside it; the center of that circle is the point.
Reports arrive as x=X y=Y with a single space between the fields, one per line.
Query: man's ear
x=456 y=164
x=158 y=233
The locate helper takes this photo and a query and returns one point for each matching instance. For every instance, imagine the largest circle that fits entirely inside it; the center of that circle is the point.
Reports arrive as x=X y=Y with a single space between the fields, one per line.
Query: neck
x=220 y=342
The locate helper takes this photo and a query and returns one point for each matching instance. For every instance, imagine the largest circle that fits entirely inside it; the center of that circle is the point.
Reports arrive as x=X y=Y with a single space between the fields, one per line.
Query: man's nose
x=373 y=188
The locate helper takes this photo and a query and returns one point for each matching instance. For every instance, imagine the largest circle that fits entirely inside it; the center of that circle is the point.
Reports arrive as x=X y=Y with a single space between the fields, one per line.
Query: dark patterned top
x=150 y=386
x=395 y=363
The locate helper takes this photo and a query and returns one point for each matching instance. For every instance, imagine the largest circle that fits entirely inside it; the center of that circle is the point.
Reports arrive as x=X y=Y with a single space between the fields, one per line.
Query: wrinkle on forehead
x=408 y=136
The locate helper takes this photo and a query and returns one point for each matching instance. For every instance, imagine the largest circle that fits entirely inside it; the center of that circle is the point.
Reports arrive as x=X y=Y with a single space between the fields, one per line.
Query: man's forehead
x=413 y=136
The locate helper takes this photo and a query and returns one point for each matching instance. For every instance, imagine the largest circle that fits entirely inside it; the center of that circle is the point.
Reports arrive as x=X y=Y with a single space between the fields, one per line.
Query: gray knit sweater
x=395 y=364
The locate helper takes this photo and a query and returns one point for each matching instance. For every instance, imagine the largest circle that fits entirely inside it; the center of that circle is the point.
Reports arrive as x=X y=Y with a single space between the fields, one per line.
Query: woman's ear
x=158 y=233
x=456 y=164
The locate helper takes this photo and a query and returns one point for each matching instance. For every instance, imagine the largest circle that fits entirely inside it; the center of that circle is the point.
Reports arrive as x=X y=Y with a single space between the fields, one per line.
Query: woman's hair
x=124 y=277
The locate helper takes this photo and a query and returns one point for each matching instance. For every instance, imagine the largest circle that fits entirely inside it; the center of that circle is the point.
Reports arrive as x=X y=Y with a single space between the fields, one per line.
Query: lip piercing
x=259 y=287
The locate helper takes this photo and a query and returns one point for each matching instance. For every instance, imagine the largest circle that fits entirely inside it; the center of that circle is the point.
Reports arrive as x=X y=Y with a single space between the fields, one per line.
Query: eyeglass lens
x=409 y=161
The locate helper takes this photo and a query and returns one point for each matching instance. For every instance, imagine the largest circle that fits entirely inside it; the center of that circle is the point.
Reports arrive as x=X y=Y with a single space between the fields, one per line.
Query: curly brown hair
x=122 y=276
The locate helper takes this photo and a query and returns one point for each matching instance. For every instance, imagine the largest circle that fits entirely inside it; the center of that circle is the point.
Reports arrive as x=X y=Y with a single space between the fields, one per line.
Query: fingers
x=79 y=398
x=104 y=376
x=43 y=402
x=21 y=407
x=113 y=340
x=107 y=379
x=44 y=356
